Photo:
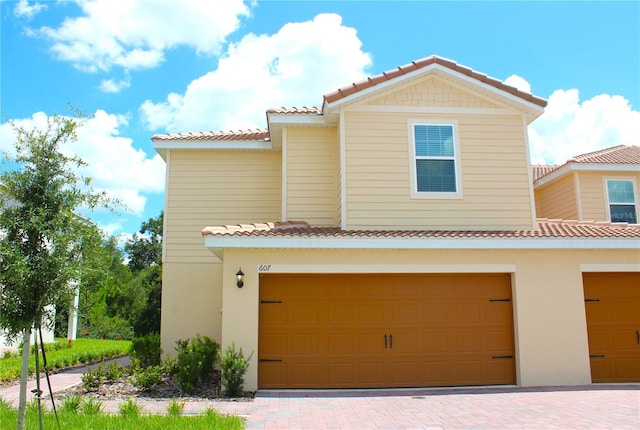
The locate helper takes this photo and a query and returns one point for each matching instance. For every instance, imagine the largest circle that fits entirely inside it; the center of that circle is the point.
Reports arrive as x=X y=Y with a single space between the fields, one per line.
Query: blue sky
x=142 y=67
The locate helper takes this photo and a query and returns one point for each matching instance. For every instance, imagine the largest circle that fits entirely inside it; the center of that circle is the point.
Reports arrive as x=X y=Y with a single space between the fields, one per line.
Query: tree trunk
x=22 y=405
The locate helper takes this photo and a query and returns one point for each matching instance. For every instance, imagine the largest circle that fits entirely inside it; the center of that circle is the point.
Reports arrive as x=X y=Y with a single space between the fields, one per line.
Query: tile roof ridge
x=388 y=75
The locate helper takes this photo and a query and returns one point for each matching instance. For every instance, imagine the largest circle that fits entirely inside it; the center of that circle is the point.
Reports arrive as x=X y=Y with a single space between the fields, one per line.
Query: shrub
x=146 y=378
x=234 y=366
x=114 y=371
x=147 y=350
x=93 y=378
x=196 y=358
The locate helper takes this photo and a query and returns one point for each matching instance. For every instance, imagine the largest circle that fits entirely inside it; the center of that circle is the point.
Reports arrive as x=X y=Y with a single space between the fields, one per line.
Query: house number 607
x=264 y=267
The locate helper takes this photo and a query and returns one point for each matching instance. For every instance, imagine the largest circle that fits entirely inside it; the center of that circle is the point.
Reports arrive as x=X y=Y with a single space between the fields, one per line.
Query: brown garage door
x=390 y=330
x=612 y=303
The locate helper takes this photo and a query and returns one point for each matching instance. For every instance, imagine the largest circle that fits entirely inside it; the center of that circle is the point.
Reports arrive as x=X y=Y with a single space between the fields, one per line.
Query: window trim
x=415 y=194
x=608 y=203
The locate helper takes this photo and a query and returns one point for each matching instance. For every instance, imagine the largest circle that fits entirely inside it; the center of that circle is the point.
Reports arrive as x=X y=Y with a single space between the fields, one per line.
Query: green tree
x=42 y=237
x=145 y=261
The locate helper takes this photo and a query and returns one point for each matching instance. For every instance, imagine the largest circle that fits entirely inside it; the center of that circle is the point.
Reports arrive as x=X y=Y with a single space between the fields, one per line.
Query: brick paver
x=585 y=407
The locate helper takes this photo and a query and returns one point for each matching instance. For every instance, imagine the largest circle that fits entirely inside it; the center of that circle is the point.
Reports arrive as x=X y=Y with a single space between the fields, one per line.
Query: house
x=601 y=185
x=390 y=238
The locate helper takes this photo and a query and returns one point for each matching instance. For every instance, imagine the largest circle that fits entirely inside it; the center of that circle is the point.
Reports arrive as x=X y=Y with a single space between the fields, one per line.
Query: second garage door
x=389 y=330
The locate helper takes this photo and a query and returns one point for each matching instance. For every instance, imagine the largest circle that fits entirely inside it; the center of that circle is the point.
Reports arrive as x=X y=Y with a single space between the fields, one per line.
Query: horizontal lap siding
x=495 y=180
x=557 y=200
x=312 y=175
x=592 y=192
x=214 y=188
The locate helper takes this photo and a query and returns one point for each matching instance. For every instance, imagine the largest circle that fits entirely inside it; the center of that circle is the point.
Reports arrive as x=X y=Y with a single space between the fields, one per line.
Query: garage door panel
x=341 y=343
x=369 y=343
x=273 y=343
x=334 y=334
x=340 y=315
x=469 y=313
x=500 y=371
x=469 y=341
x=371 y=314
x=405 y=313
x=434 y=313
x=612 y=307
x=371 y=374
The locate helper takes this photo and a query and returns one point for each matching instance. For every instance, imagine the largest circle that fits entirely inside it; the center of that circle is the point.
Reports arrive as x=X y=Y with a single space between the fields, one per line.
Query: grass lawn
x=76 y=421
x=61 y=355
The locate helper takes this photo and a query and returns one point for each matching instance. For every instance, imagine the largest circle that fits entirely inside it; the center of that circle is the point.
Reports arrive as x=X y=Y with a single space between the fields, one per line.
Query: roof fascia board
x=573 y=167
x=293 y=119
x=399 y=243
x=528 y=106
x=214 y=144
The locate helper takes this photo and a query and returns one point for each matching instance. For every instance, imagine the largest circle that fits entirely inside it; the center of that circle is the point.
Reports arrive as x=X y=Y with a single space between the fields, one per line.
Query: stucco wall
x=548 y=300
x=191 y=302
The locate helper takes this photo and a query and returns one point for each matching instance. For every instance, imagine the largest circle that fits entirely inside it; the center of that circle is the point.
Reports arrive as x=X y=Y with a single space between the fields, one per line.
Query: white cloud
x=134 y=34
x=569 y=127
x=293 y=67
x=519 y=83
x=114 y=165
x=23 y=9
x=115 y=86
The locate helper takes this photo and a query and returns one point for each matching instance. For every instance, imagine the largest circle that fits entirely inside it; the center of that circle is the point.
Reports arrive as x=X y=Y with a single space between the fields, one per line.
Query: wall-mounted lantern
x=240 y=278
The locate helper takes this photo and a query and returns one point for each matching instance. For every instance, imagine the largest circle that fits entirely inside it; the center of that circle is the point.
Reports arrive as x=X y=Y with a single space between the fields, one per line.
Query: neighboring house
x=601 y=185
x=414 y=257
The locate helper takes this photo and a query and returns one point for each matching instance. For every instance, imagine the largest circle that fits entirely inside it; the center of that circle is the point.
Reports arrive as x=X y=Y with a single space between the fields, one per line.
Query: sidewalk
x=584 y=407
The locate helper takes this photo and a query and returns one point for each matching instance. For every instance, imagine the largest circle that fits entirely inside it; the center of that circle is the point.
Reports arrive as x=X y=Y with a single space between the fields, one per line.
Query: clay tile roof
x=422 y=63
x=295 y=110
x=258 y=134
x=547 y=228
x=620 y=154
x=540 y=170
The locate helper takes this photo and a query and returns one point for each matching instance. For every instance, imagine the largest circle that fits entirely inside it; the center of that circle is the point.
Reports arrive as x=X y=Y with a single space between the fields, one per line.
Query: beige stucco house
x=391 y=238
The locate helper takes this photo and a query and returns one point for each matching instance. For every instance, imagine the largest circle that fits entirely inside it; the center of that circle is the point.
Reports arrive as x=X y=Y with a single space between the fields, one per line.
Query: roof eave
x=216 y=242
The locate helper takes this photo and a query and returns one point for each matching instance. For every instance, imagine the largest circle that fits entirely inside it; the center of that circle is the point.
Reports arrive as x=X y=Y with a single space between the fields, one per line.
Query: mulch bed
x=122 y=389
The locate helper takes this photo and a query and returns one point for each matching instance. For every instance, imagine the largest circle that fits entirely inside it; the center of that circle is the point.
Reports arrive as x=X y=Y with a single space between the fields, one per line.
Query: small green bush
x=113 y=371
x=196 y=359
x=146 y=378
x=147 y=350
x=93 y=378
x=234 y=366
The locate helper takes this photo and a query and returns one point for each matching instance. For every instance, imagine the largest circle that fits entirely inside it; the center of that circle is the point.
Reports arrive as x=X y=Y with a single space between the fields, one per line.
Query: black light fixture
x=240 y=278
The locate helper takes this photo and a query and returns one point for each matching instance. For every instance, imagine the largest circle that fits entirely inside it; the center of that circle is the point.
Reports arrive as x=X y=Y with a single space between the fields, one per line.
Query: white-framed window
x=435 y=169
x=622 y=201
